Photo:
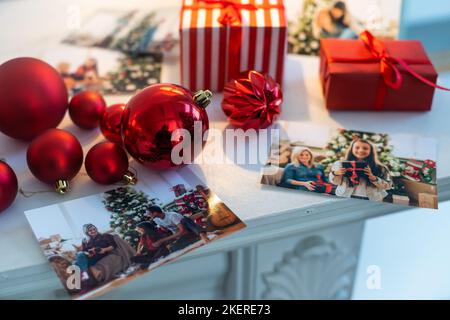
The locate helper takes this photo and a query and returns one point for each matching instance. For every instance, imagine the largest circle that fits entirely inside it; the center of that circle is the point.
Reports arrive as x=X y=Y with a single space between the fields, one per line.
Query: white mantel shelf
x=270 y=213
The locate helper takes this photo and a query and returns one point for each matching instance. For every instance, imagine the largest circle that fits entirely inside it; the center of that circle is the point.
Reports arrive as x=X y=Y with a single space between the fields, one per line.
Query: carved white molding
x=315 y=269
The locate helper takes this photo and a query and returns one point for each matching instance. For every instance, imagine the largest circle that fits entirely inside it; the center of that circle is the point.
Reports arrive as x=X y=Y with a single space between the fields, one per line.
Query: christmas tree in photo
x=301 y=39
x=128 y=207
x=339 y=144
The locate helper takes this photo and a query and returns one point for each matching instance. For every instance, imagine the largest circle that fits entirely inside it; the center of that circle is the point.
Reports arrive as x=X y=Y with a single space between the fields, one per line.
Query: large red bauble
x=8 y=186
x=86 y=109
x=106 y=163
x=111 y=125
x=55 y=156
x=33 y=98
x=154 y=114
x=252 y=102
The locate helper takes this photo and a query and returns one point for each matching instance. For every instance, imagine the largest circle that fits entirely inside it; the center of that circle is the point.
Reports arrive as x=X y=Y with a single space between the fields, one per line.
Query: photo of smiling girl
x=375 y=180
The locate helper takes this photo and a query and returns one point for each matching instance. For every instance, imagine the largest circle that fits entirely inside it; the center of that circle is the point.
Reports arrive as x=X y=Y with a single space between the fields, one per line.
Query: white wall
x=412 y=251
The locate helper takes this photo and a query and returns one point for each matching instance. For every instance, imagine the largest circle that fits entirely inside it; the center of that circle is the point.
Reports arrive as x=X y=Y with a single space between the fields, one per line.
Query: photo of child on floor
x=358 y=165
x=111 y=238
x=343 y=19
x=107 y=71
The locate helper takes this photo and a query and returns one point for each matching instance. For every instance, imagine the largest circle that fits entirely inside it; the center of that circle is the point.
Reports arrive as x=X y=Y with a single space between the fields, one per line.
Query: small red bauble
x=8 y=186
x=86 y=109
x=152 y=116
x=33 y=98
x=107 y=163
x=253 y=102
x=110 y=125
x=55 y=157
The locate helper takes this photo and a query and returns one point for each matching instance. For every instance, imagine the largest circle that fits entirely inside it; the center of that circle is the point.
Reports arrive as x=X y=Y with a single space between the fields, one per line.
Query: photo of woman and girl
x=159 y=236
x=369 y=182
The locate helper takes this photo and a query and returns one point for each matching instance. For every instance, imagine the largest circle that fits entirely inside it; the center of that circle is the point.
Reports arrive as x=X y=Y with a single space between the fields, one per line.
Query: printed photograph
x=103 y=241
x=136 y=31
x=346 y=19
x=107 y=71
x=397 y=168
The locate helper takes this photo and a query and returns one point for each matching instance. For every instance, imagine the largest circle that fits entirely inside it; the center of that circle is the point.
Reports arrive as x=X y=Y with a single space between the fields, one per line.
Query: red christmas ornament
x=110 y=125
x=33 y=98
x=86 y=109
x=253 y=102
x=154 y=114
x=55 y=157
x=8 y=186
x=107 y=163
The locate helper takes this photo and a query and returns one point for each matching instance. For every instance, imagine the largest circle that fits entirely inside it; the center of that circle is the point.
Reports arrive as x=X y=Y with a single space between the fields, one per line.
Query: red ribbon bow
x=388 y=64
x=354 y=177
x=320 y=182
x=391 y=75
x=231 y=10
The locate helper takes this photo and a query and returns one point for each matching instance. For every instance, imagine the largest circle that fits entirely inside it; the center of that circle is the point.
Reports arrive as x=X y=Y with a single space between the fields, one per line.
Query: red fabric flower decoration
x=253 y=102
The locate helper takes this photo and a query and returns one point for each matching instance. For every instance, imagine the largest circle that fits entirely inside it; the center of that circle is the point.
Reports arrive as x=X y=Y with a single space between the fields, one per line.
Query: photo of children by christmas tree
x=397 y=169
x=343 y=19
x=103 y=241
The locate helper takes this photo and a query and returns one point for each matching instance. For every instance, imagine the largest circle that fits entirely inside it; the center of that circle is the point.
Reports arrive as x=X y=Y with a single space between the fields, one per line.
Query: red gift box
x=369 y=74
x=354 y=170
x=322 y=186
x=221 y=39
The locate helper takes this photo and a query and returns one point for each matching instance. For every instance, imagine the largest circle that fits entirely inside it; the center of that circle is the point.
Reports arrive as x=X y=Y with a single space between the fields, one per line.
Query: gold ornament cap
x=203 y=98
x=62 y=186
x=130 y=178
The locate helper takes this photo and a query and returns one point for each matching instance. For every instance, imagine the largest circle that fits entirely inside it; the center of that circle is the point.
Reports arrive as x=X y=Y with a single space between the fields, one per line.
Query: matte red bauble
x=107 y=163
x=33 y=98
x=55 y=157
x=8 y=186
x=111 y=125
x=153 y=115
x=86 y=109
x=253 y=102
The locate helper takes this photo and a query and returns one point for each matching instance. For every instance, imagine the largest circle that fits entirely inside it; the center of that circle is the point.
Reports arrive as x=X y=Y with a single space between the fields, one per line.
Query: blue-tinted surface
x=411 y=251
x=428 y=21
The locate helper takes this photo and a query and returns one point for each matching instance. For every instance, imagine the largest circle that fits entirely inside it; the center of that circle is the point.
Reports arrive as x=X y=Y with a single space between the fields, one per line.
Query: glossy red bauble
x=8 y=186
x=55 y=157
x=154 y=114
x=253 y=102
x=106 y=163
x=111 y=125
x=86 y=109
x=33 y=98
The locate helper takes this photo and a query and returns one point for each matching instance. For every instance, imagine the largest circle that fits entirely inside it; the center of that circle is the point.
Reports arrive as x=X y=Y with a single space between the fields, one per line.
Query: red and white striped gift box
x=214 y=51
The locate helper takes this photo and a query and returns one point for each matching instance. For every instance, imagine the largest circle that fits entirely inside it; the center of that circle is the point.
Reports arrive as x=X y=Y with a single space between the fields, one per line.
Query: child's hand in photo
x=369 y=174
x=339 y=172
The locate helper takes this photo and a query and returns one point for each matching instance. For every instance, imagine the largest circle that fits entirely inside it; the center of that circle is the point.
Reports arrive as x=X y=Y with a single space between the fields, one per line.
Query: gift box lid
x=202 y=14
x=358 y=164
x=336 y=51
